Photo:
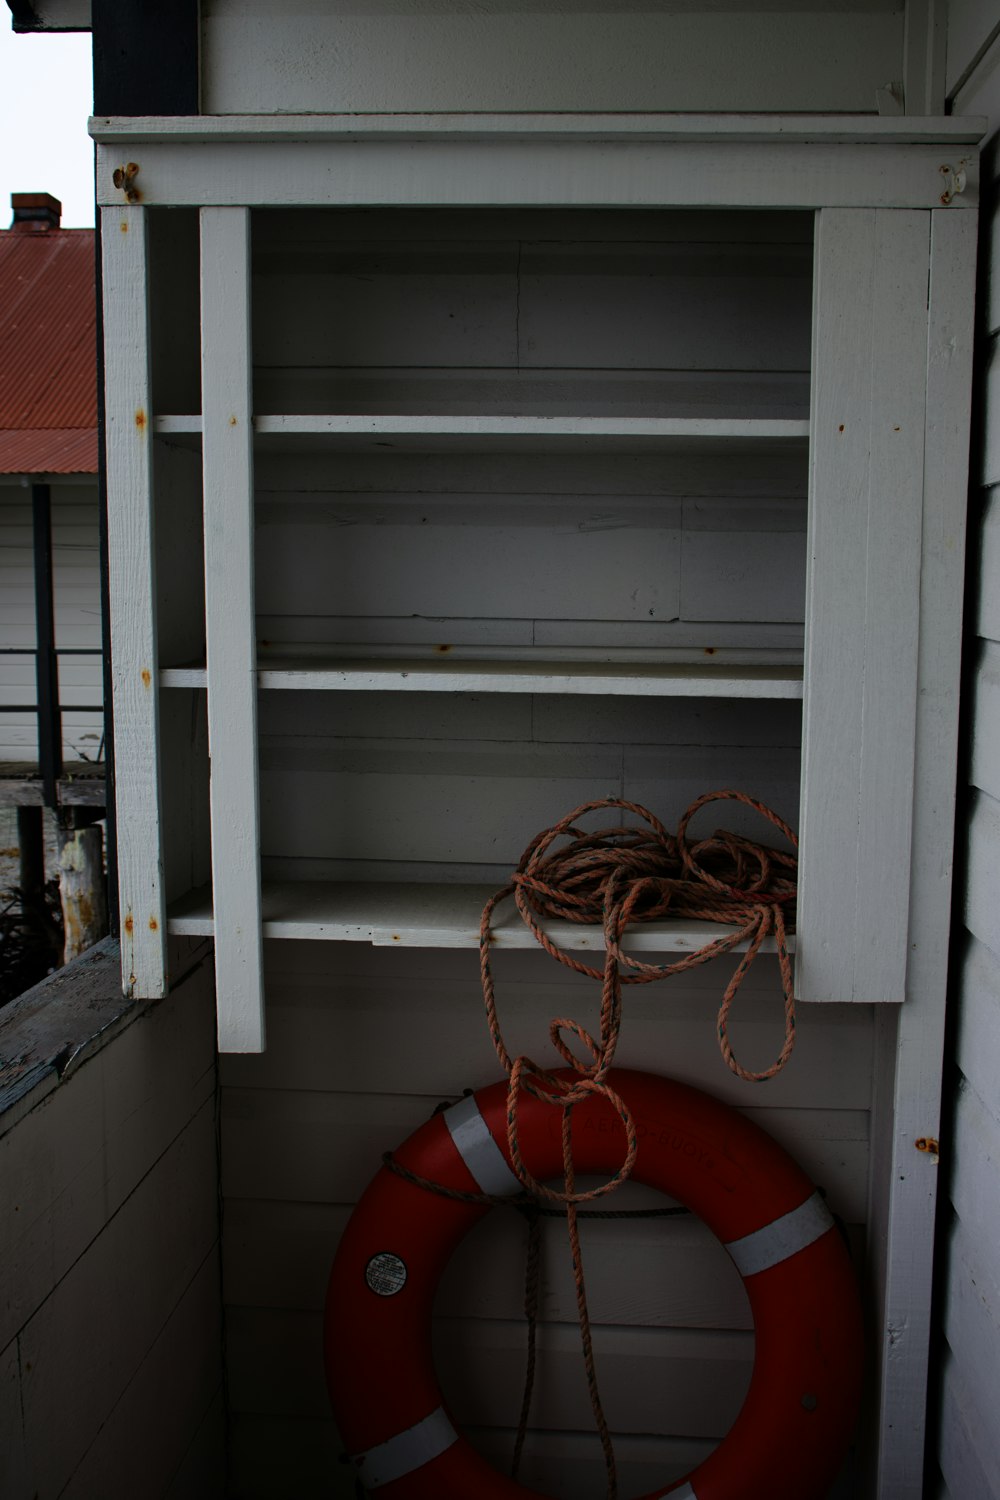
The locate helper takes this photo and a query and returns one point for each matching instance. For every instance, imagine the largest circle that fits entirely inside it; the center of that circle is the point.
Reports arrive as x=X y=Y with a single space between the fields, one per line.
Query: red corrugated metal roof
x=48 y=360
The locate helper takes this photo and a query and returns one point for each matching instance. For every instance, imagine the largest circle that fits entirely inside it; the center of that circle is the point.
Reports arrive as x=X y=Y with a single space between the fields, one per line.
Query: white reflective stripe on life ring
x=406 y=1451
x=478 y=1149
x=781 y=1238
x=684 y=1493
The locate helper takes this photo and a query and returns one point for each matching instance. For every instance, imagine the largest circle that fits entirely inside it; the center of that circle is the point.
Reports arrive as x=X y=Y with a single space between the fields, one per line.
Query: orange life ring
x=791 y=1434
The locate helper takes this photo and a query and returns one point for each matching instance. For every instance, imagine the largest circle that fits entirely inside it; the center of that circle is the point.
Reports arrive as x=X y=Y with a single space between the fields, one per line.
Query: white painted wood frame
x=749 y=161
x=131 y=562
x=227 y=464
x=907 y=1090
x=862 y=602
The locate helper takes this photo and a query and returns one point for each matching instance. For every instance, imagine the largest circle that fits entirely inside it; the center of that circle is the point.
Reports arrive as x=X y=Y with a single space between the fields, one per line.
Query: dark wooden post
x=46 y=661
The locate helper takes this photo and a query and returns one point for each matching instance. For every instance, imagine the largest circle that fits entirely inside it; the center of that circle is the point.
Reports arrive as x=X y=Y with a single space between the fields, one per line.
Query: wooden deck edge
x=47 y=1032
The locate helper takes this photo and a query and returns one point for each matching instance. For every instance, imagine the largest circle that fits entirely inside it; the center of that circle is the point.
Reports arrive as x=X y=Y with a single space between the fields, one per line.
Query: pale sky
x=46 y=95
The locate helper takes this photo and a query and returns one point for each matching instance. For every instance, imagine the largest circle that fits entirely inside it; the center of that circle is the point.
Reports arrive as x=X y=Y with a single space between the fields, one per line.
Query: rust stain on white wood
x=131 y=547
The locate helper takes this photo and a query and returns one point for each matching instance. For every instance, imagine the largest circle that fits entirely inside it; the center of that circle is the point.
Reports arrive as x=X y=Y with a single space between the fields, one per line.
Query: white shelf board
x=606 y=679
x=469 y=434
x=423 y=916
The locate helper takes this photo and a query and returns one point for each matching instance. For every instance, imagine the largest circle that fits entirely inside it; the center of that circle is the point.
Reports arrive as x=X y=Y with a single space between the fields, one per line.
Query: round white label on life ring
x=385 y=1273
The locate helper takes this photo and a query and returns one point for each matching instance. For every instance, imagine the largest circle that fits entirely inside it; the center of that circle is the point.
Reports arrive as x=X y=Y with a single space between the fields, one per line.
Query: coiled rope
x=617 y=877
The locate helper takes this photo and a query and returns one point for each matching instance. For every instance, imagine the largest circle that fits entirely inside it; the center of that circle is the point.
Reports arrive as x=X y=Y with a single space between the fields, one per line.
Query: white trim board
x=757 y=129
x=626 y=161
x=227 y=463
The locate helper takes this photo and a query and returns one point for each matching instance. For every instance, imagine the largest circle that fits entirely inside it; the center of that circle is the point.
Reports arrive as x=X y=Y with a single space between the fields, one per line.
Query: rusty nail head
x=928 y=1144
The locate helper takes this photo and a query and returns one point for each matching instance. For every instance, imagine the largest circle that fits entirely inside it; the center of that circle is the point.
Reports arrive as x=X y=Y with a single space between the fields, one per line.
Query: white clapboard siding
x=132 y=586
x=982 y=911
x=985 y=770
x=976 y=1159
x=970 y=1467
x=227 y=461
x=977 y=1043
x=989 y=454
x=971 y=1321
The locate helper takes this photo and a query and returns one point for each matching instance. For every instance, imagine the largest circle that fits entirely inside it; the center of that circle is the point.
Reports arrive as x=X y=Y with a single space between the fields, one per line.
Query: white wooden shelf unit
x=874 y=235
x=655 y=525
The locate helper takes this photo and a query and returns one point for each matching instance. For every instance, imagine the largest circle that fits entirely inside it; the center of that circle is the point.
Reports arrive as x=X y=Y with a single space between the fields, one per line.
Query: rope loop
x=618 y=878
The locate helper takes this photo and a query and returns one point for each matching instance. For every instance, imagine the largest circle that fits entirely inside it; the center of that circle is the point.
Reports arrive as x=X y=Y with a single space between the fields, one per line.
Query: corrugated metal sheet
x=48 y=360
x=49 y=450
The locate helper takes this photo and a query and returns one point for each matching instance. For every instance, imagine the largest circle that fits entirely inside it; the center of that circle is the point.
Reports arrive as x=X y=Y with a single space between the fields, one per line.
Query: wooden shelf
x=470 y=434
x=598 y=679
x=422 y=916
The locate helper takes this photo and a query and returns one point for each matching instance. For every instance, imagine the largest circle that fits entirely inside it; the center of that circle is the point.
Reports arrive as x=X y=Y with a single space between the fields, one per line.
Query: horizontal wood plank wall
x=969 y=1263
x=453 y=787
x=76 y=587
x=109 y=1259
x=362 y=1044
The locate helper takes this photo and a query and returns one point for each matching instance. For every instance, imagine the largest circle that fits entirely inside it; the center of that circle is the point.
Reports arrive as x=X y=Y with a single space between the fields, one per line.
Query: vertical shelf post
x=132 y=582
x=227 y=461
x=866 y=485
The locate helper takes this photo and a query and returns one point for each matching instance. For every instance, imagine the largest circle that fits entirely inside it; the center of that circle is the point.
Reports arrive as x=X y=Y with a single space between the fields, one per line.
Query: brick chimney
x=34 y=212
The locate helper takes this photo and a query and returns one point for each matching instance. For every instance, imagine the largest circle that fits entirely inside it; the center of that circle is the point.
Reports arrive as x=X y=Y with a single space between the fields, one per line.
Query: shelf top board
x=791 y=129
x=424 y=916
x=601 y=679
